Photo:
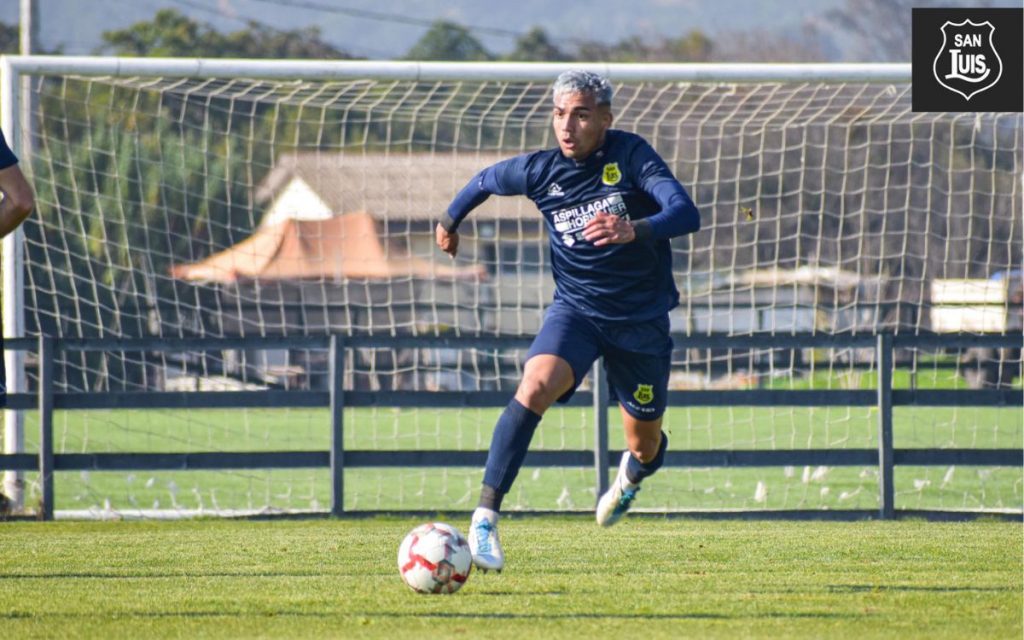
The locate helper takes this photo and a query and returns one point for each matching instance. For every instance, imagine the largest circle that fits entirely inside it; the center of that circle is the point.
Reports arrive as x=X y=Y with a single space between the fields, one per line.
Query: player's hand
x=605 y=228
x=448 y=242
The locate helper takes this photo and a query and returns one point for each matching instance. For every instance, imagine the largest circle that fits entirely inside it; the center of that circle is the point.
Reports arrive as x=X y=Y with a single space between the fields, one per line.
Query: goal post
x=220 y=198
x=11 y=275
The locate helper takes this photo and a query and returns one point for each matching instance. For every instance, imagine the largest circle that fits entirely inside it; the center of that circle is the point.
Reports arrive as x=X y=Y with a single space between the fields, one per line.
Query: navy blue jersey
x=615 y=282
x=7 y=157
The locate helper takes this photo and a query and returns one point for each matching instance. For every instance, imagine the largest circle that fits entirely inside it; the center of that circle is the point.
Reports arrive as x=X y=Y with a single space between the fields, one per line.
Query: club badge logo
x=611 y=174
x=967 y=62
x=644 y=393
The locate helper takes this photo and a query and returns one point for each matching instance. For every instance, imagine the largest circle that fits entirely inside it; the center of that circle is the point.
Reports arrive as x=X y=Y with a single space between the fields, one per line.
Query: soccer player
x=15 y=206
x=610 y=204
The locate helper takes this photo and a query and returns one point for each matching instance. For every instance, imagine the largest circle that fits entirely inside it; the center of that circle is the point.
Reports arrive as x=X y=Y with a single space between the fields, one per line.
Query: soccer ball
x=434 y=558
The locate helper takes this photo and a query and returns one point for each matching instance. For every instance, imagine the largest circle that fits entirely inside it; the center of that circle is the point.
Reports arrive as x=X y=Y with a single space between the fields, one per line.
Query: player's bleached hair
x=578 y=81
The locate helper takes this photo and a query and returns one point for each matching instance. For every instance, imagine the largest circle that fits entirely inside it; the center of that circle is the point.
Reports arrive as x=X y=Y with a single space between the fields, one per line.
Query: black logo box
x=1006 y=95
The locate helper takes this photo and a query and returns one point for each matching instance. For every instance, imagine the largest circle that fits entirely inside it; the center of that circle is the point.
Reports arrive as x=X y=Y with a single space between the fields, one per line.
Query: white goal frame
x=13 y=119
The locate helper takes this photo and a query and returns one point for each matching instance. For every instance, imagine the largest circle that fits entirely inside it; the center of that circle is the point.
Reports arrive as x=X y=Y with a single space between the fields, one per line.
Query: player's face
x=580 y=124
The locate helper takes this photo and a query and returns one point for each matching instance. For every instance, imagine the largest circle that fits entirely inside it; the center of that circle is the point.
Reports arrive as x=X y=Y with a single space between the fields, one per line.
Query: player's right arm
x=18 y=199
x=506 y=178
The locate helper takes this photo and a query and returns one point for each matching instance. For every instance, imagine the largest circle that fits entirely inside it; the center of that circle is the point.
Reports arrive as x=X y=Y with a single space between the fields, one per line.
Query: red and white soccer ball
x=434 y=558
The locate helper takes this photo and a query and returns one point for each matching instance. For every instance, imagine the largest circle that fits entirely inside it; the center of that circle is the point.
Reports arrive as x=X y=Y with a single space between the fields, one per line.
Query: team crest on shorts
x=644 y=393
x=611 y=174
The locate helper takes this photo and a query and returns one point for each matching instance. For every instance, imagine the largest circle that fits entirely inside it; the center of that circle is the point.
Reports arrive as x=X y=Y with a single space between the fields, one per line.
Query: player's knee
x=644 y=448
x=645 y=454
x=537 y=393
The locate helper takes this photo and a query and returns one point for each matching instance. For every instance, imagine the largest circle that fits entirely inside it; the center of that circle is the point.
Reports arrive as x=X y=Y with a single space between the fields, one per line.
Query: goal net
x=252 y=202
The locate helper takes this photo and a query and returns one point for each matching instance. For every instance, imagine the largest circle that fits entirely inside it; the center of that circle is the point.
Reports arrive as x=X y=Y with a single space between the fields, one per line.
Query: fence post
x=337 y=380
x=597 y=377
x=45 y=399
x=884 y=358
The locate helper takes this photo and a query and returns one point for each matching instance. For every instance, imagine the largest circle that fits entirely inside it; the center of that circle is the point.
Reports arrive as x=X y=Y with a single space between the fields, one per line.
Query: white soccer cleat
x=617 y=500
x=483 y=541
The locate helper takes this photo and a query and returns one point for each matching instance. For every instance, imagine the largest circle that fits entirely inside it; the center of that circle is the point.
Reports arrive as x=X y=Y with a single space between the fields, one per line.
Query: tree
x=448 y=41
x=536 y=46
x=171 y=34
x=261 y=41
x=8 y=38
x=693 y=46
x=168 y=34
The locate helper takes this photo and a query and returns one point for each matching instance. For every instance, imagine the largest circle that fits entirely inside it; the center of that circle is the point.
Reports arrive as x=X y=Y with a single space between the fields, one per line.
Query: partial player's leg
x=646 y=444
x=545 y=378
x=638 y=360
x=556 y=363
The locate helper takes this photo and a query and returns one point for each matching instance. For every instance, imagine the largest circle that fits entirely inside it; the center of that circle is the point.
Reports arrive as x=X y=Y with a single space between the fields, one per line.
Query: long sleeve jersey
x=624 y=177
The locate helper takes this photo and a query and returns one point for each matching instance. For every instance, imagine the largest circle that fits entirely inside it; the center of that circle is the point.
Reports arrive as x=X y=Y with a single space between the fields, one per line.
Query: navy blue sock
x=509 y=443
x=637 y=471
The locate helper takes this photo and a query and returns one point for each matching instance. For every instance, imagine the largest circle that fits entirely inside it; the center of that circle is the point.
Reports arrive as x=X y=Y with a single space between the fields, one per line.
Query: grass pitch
x=650 y=578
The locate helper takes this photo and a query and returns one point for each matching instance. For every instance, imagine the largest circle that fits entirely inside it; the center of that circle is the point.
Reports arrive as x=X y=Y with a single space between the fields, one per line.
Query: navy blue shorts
x=637 y=356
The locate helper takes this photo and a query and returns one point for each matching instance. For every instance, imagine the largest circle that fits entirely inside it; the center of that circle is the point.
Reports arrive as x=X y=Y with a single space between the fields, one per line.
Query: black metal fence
x=884 y=397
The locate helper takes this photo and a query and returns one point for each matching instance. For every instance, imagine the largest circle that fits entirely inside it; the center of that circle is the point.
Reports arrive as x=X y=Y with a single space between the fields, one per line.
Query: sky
x=388 y=28
x=383 y=29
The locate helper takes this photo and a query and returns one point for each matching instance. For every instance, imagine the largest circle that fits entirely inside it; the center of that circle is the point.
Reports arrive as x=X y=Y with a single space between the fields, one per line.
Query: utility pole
x=28 y=44
x=29 y=26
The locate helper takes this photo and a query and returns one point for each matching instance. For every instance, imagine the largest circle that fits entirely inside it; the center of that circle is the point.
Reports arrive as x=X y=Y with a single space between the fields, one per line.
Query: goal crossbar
x=433 y=71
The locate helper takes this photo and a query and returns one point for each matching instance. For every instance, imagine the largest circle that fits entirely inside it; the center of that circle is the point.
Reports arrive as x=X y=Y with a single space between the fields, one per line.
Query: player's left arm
x=678 y=215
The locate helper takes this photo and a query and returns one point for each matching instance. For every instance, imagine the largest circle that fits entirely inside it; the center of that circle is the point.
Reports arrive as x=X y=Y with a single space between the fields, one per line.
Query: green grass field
x=647 y=577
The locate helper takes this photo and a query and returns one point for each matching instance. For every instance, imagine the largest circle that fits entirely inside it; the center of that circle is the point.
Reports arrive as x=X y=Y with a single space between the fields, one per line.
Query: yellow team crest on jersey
x=611 y=174
x=644 y=393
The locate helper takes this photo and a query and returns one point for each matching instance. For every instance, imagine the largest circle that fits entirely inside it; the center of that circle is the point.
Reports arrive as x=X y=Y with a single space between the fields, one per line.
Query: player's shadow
x=70 y=575
x=521 y=593
x=869 y=588
x=121 y=615
x=284 y=613
x=447 y=615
